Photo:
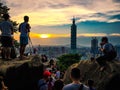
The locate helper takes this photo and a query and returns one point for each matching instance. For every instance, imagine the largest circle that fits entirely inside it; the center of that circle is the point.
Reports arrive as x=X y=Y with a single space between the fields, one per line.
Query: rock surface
x=91 y=70
x=22 y=75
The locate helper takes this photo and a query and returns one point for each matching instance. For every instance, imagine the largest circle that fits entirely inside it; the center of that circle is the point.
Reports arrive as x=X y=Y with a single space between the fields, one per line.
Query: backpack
x=113 y=53
x=81 y=87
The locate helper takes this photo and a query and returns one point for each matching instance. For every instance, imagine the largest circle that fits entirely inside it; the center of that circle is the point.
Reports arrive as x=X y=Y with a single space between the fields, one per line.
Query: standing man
x=109 y=53
x=24 y=29
x=6 y=28
x=76 y=84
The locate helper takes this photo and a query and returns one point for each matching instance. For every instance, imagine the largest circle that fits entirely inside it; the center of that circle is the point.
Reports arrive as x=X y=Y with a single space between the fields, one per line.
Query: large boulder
x=91 y=70
x=22 y=75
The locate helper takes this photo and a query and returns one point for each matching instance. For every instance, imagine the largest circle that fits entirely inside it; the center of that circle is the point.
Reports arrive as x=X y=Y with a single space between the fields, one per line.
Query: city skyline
x=52 y=18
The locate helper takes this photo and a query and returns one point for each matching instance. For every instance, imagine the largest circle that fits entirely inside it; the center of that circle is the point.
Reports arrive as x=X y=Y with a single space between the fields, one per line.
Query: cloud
x=116 y=16
x=117 y=1
x=51 y=16
x=64 y=9
x=84 y=3
x=115 y=34
x=92 y=35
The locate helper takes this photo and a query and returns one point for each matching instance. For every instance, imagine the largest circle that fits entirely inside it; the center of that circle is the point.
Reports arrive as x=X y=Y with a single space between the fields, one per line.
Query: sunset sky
x=53 y=17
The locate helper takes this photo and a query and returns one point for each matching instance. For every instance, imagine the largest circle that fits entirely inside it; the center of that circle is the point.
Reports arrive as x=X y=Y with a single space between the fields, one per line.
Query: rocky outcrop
x=22 y=75
x=90 y=70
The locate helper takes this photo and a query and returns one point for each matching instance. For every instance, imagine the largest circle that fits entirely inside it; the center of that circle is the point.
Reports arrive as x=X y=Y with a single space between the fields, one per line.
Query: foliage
x=3 y=10
x=66 y=60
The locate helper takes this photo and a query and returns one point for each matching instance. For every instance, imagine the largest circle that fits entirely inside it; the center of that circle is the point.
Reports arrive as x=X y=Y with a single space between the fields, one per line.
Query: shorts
x=6 y=41
x=23 y=40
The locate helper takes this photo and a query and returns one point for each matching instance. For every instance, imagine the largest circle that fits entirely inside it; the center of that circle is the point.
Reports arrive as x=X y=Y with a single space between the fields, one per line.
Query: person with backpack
x=24 y=29
x=76 y=84
x=108 y=51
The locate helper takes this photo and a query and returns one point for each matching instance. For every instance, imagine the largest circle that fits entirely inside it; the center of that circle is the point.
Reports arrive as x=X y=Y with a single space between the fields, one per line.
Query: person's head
x=104 y=39
x=26 y=18
x=46 y=74
x=58 y=85
x=90 y=82
x=75 y=74
x=6 y=16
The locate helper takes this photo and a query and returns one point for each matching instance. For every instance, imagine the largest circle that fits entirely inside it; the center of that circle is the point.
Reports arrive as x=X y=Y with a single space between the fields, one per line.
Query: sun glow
x=44 y=35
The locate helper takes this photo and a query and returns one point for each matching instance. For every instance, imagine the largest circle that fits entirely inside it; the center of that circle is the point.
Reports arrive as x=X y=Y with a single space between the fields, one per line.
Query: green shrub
x=64 y=61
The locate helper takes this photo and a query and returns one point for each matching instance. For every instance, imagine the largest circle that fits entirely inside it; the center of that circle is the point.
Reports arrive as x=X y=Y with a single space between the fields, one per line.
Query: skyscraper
x=73 y=36
x=94 y=46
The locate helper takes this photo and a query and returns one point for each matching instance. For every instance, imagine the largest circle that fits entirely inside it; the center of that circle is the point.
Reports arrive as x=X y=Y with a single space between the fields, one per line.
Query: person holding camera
x=108 y=51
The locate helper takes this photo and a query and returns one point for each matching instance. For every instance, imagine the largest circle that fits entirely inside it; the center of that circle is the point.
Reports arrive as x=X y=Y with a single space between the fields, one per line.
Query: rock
x=91 y=70
x=22 y=75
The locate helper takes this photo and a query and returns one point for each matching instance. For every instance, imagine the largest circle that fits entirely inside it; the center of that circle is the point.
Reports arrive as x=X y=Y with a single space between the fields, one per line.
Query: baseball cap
x=46 y=73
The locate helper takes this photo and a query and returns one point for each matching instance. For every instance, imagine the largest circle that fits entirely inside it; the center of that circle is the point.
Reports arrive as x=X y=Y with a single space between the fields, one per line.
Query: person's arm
x=28 y=30
x=28 y=27
x=104 y=50
x=29 y=35
x=3 y=86
x=19 y=28
x=102 y=47
x=12 y=29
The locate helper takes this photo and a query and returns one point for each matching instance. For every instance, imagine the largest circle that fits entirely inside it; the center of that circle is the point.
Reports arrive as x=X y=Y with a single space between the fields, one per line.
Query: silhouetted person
x=24 y=29
x=51 y=62
x=44 y=58
x=6 y=28
x=76 y=84
x=57 y=73
x=58 y=85
x=109 y=53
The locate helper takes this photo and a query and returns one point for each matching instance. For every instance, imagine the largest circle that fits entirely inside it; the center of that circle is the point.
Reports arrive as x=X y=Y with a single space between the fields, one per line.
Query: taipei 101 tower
x=73 y=36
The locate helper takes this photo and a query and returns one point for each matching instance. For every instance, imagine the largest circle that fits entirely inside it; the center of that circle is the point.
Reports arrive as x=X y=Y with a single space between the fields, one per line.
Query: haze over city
x=51 y=19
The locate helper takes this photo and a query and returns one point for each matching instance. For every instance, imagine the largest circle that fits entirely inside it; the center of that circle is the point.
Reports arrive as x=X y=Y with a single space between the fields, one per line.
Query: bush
x=66 y=60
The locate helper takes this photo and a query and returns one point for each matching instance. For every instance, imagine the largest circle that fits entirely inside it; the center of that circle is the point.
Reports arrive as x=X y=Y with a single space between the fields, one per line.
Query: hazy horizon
x=81 y=41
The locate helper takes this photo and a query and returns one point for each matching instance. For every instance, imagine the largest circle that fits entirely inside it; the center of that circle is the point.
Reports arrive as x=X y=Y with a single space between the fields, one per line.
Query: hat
x=46 y=73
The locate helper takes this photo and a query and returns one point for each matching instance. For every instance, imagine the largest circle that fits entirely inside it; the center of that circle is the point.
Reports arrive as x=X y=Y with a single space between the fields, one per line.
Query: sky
x=53 y=18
